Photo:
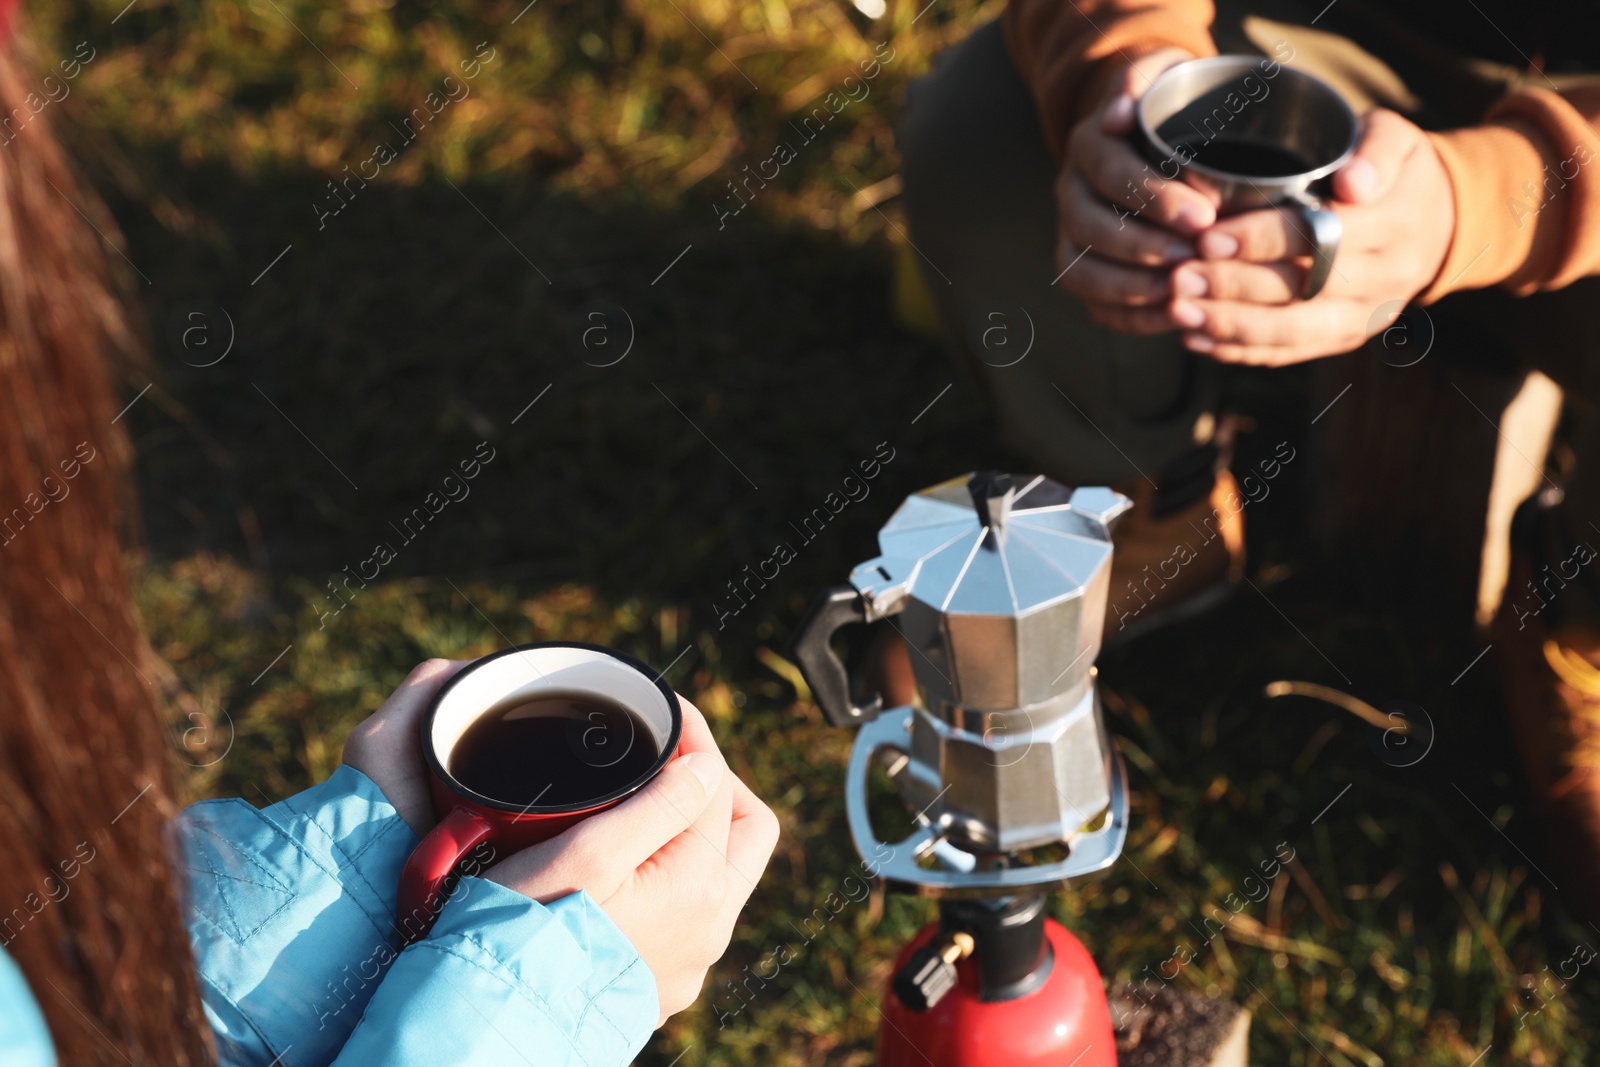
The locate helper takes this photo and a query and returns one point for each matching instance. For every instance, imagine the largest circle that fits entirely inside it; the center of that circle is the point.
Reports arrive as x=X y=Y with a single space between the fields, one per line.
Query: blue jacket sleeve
x=292 y=915
x=502 y=981
x=292 y=922
x=24 y=1040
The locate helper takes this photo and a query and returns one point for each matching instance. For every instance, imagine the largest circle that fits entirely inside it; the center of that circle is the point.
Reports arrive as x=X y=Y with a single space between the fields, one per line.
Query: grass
x=384 y=343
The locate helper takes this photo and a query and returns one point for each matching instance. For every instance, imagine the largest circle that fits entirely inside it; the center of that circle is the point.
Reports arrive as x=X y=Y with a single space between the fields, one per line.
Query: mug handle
x=422 y=882
x=1326 y=233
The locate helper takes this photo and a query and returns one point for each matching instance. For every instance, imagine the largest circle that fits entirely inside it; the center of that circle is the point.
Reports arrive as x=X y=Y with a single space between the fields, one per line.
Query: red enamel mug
x=469 y=819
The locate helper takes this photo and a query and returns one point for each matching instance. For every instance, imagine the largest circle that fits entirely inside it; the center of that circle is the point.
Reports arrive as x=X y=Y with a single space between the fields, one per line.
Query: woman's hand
x=672 y=865
x=387 y=746
x=1121 y=224
x=1237 y=303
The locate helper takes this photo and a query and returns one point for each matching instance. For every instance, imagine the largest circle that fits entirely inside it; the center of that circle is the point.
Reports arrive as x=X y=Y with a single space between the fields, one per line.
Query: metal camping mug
x=469 y=819
x=1257 y=134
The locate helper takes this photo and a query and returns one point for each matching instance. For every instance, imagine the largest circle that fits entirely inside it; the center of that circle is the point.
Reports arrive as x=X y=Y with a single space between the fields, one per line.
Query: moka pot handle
x=824 y=671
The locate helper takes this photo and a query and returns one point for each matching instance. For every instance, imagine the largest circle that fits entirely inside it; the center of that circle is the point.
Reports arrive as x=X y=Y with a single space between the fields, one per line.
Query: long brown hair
x=89 y=906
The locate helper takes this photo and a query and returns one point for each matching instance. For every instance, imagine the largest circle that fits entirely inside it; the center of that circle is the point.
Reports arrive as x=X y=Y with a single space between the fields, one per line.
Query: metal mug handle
x=1326 y=232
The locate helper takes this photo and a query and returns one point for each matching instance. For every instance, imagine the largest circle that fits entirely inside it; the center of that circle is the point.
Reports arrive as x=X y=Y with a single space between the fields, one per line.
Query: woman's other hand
x=387 y=746
x=672 y=865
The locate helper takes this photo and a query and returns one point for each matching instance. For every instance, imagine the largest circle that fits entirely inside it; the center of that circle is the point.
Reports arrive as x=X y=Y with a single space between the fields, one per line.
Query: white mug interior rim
x=518 y=674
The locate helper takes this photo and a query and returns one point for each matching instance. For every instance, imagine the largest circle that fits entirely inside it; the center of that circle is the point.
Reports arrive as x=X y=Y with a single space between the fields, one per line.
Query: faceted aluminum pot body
x=1000 y=593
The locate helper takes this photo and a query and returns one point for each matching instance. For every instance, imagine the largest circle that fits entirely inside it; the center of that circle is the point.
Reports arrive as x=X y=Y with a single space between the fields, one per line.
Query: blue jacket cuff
x=292 y=913
x=502 y=979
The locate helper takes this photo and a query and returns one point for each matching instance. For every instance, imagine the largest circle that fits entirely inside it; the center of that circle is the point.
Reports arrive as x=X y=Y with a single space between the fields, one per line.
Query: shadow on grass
x=751 y=370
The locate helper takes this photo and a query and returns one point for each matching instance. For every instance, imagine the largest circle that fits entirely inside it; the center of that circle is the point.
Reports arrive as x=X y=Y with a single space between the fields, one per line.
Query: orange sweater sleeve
x=1065 y=50
x=1527 y=191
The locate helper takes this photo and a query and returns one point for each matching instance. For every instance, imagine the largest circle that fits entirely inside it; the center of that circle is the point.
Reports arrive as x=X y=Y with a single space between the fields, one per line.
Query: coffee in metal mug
x=1257 y=134
x=469 y=819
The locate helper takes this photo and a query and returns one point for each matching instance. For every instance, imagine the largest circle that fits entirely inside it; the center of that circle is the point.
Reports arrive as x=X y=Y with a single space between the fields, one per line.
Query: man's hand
x=1238 y=305
x=1122 y=225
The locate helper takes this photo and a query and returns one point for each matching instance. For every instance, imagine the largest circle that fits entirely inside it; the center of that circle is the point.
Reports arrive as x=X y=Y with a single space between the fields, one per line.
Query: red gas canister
x=1057 y=1016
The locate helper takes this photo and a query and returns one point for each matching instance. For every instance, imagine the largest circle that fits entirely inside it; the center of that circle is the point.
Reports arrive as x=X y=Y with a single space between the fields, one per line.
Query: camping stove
x=998 y=586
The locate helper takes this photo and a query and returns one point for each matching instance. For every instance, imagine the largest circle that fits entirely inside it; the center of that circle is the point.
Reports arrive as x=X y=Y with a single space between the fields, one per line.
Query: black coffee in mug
x=553 y=748
x=1247 y=158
